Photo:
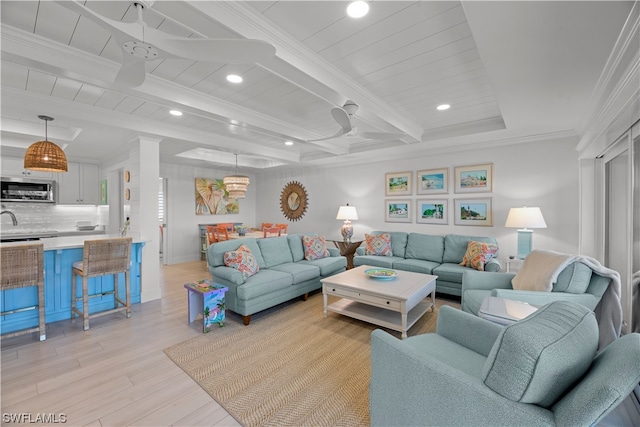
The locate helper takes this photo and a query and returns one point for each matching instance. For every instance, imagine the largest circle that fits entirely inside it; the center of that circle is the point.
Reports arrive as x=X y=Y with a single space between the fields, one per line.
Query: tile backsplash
x=41 y=216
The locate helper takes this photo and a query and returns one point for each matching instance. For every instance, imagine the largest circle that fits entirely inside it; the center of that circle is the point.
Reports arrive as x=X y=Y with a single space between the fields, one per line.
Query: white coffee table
x=395 y=304
x=504 y=311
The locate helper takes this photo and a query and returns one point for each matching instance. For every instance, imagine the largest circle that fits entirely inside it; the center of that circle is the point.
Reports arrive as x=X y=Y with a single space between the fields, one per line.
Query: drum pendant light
x=236 y=185
x=45 y=155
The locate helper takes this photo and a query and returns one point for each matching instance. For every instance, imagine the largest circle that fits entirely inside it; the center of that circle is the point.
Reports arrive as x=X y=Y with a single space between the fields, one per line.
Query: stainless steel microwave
x=27 y=190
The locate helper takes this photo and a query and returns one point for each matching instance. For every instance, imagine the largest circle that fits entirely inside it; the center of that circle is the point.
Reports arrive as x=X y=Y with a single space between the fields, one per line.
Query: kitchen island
x=59 y=255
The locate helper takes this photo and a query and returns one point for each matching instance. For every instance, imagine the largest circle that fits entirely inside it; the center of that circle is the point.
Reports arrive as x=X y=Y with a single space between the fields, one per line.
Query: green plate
x=381 y=273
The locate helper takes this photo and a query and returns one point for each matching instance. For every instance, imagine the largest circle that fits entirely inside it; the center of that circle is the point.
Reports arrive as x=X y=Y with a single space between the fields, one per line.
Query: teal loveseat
x=428 y=254
x=541 y=371
x=283 y=272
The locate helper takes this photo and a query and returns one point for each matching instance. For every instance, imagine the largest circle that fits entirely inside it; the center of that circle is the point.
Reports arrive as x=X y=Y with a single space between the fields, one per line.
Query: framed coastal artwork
x=212 y=198
x=432 y=181
x=474 y=178
x=397 y=210
x=432 y=211
x=398 y=184
x=473 y=212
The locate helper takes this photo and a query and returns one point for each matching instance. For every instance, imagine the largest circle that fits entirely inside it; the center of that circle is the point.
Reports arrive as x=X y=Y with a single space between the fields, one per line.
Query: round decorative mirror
x=293 y=201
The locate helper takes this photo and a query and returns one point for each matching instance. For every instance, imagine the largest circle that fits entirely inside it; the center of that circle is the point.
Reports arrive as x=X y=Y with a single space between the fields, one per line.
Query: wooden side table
x=206 y=298
x=347 y=249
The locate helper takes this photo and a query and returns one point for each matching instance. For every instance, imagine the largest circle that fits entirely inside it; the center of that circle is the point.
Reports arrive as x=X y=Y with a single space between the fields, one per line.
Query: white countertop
x=69 y=242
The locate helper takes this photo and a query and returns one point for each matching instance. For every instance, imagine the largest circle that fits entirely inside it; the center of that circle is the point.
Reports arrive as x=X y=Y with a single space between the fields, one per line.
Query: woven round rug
x=290 y=367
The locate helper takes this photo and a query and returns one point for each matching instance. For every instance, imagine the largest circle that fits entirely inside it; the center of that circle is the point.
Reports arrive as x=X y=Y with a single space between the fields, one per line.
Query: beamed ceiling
x=511 y=71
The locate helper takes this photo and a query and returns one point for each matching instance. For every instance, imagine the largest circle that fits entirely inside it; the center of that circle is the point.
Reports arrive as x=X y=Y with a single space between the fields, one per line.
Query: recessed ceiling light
x=175 y=112
x=288 y=143
x=358 y=9
x=443 y=107
x=234 y=78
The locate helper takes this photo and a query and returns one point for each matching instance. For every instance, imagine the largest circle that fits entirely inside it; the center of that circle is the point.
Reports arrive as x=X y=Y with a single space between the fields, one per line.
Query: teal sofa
x=283 y=273
x=541 y=371
x=428 y=254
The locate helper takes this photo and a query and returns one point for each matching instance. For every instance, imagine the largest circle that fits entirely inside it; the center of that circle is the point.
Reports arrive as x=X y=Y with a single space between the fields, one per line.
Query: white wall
x=543 y=174
x=182 y=222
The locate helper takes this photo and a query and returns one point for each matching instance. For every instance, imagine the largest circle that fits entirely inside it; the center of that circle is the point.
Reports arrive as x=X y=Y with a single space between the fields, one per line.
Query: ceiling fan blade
x=337 y=135
x=341 y=116
x=122 y=31
x=381 y=135
x=132 y=73
x=228 y=51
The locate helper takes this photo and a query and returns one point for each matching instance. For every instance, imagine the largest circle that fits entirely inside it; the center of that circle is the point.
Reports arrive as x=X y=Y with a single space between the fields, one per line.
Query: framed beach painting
x=397 y=184
x=435 y=211
x=474 y=178
x=473 y=212
x=397 y=210
x=433 y=181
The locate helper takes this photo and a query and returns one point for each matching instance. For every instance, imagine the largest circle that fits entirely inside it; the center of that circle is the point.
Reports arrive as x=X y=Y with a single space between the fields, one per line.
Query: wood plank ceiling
x=397 y=63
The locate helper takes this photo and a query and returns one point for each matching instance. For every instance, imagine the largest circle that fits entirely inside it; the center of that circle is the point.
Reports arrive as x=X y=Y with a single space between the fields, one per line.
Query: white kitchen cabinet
x=14 y=167
x=80 y=185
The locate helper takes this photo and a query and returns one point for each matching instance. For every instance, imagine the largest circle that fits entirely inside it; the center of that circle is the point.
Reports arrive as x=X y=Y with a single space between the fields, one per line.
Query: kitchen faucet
x=13 y=217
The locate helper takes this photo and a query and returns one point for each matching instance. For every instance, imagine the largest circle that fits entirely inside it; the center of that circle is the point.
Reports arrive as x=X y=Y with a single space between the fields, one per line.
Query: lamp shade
x=525 y=217
x=236 y=185
x=347 y=212
x=45 y=155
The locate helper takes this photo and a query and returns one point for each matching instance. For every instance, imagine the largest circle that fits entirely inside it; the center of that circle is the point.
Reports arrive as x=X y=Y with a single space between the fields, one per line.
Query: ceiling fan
x=343 y=115
x=142 y=43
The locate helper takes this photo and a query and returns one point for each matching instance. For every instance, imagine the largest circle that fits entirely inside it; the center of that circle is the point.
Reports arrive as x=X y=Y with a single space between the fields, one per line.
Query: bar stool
x=23 y=266
x=102 y=258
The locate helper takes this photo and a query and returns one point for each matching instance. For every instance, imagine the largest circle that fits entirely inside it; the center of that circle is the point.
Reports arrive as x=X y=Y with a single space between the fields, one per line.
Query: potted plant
x=241 y=229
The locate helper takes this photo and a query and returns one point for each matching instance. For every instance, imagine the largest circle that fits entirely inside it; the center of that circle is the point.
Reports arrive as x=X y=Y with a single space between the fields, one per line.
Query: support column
x=145 y=176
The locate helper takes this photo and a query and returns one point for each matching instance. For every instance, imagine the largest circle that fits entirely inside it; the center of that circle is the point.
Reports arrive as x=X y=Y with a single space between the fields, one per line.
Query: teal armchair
x=541 y=371
x=586 y=288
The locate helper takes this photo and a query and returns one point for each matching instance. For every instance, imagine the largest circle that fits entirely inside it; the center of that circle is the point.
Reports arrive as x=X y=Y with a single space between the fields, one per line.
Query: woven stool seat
x=22 y=266
x=102 y=258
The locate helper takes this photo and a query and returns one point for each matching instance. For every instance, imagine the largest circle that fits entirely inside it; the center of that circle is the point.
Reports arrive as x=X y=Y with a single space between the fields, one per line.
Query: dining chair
x=266 y=225
x=211 y=235
x=272 y=231
x=221 y=232
x=226 y=225
x=283 y=227
x=102 y=257
x=21 y=267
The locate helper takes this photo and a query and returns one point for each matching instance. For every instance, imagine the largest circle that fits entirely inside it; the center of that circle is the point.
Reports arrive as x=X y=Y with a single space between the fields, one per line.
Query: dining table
x=256 y=234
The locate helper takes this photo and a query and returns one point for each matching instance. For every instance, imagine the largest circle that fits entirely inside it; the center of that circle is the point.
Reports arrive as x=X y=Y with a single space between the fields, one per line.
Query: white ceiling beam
x=45 y=55
x=330 y=83
x=82 y=113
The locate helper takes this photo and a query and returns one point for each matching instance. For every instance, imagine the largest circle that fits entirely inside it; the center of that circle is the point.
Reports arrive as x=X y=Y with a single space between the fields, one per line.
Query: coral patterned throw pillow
x=478 y=254
x=315 y=247
x=242 y=260
x=378 y=244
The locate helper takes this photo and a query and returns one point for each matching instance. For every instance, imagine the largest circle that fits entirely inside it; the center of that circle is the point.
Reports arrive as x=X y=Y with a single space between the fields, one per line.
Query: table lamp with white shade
x=347 y=213
x=525 y=218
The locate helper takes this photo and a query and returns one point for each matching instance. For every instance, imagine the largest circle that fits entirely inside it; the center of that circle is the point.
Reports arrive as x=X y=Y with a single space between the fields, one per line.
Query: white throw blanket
x=541 y=269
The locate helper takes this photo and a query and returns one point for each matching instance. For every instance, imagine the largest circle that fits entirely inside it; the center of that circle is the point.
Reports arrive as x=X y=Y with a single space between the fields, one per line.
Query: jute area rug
x=290 y=366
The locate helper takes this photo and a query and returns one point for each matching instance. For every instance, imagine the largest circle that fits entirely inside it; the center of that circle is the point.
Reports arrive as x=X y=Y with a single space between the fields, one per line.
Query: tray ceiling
x=508 y=70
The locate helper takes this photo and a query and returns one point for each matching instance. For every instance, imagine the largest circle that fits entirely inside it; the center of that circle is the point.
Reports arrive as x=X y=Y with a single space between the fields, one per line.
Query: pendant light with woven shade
x=45 y=155
x=236 y=185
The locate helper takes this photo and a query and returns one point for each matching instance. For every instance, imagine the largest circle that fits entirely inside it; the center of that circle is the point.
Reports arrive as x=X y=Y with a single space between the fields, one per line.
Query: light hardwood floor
x=114 y=374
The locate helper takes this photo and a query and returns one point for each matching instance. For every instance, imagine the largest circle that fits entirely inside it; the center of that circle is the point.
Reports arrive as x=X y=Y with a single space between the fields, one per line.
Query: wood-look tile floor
x=114 y=374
